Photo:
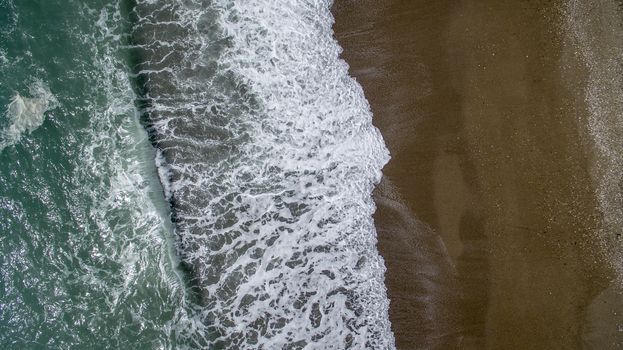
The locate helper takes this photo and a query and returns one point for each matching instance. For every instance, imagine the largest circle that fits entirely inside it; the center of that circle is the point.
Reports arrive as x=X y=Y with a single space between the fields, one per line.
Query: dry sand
x=487 y=213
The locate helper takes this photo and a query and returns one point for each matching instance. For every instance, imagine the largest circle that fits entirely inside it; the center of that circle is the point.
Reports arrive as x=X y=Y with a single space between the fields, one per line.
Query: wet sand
x=487 y=213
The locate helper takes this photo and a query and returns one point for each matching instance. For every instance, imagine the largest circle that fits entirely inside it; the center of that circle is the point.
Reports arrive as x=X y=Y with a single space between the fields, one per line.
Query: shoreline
x=487 y=214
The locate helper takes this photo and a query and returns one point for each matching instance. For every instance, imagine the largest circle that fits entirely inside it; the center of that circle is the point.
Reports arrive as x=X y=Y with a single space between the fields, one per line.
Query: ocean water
x=185 y=174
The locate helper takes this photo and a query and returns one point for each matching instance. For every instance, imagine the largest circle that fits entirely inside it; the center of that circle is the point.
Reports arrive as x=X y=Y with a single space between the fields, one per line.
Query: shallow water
x=269 y=157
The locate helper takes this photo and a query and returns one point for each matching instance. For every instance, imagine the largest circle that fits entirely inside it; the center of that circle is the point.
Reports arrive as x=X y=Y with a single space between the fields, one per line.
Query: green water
x=85 y=258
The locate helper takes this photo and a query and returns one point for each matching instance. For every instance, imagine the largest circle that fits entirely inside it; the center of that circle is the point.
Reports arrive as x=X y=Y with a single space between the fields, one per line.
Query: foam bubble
x=26 y=114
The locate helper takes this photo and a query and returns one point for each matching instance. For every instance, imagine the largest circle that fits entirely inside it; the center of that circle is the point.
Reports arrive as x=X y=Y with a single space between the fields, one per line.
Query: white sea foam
x=26 y=114
x=316 y=121
x=271 y=158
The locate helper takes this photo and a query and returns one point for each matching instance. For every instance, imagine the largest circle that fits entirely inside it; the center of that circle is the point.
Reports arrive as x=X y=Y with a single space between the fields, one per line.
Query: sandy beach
x=487 y=214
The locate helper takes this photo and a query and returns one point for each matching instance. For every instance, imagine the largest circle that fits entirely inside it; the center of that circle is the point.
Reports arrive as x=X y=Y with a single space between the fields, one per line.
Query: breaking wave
x=268 y=155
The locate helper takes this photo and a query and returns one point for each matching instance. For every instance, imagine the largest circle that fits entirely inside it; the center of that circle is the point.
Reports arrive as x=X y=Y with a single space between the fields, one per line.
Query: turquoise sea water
x=85 y=252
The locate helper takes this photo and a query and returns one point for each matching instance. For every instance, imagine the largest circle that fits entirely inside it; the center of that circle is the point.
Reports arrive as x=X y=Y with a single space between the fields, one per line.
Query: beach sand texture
x=488 y=217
